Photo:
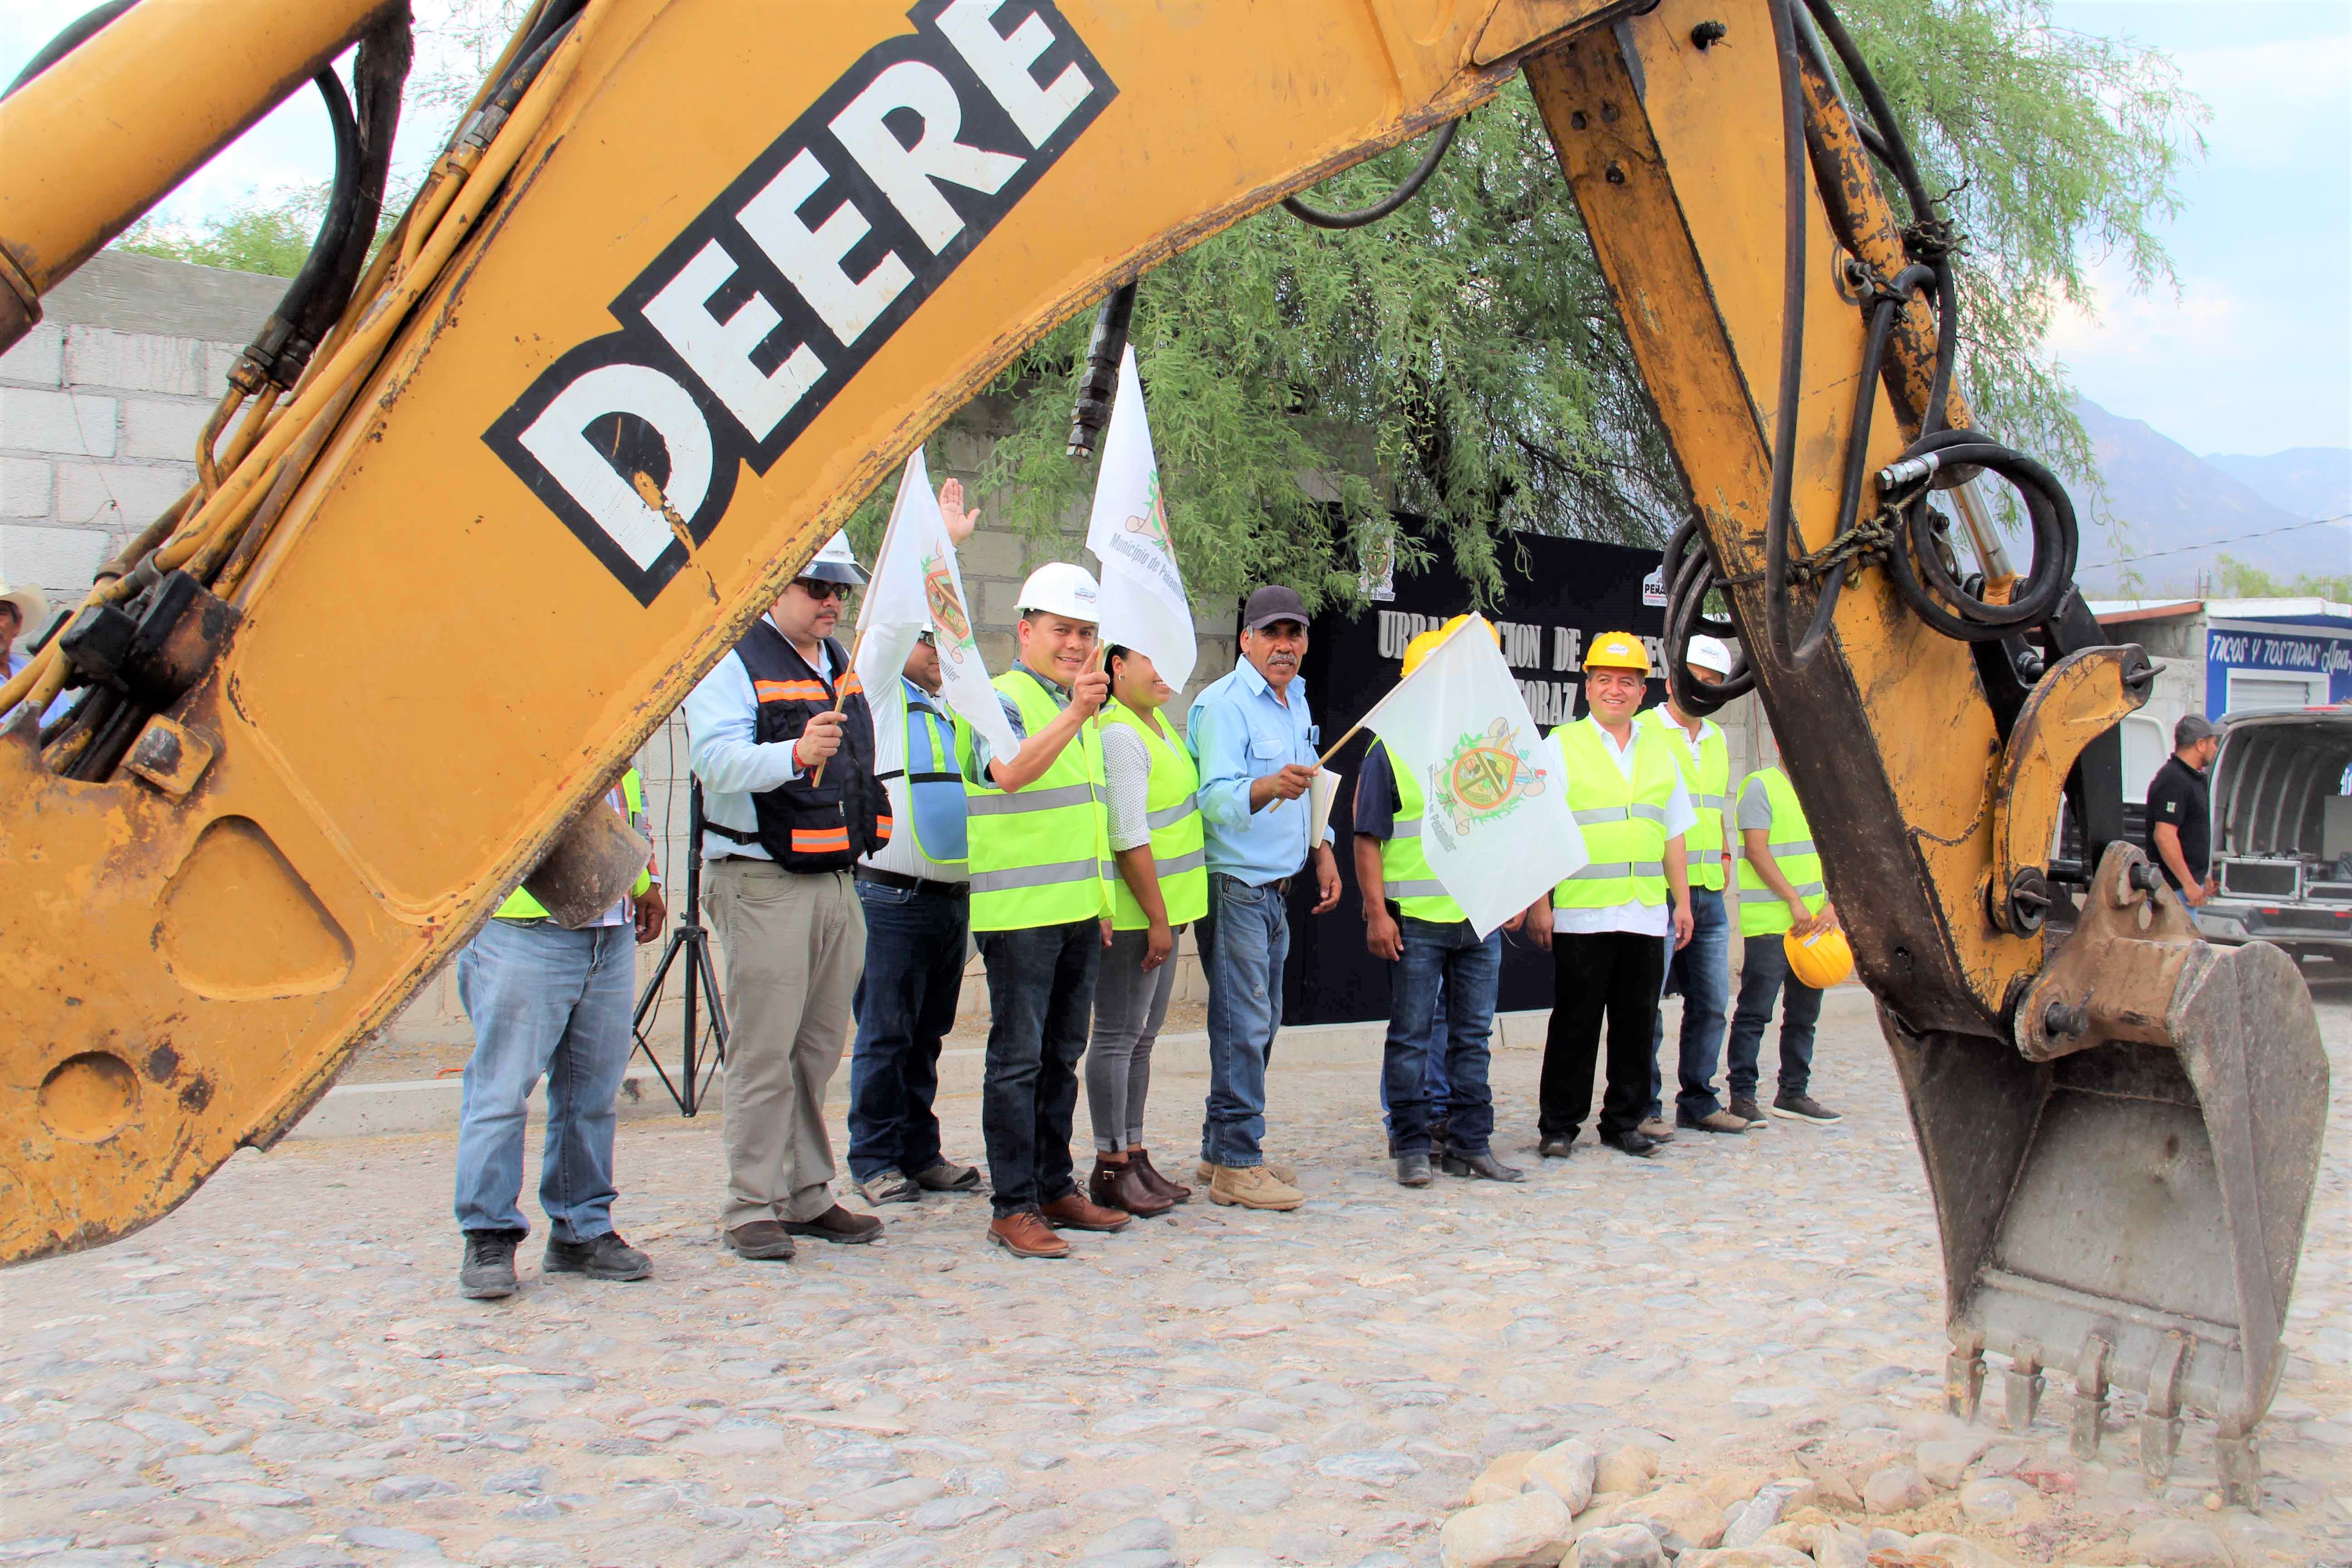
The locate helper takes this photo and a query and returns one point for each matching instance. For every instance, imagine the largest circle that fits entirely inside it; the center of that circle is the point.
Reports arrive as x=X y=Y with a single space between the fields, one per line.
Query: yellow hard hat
x=1618 y=650
x=1822 y=959
x=1419 y=648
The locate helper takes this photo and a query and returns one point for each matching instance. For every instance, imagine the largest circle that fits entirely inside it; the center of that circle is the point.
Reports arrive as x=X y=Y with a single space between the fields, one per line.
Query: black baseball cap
x=1271 y=604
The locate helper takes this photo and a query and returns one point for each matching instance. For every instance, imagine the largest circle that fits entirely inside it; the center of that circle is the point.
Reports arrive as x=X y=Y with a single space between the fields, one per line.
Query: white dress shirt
x=1641 y=918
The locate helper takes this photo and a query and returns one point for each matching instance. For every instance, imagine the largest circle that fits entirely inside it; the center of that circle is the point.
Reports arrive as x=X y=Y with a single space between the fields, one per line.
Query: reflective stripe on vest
x=1406 y=875
x=1172 y=813
x=1762 y=913
x=521 y=906
x=1623 y=821
x=1707 y=778
x=934 y=791
x=1039 y=855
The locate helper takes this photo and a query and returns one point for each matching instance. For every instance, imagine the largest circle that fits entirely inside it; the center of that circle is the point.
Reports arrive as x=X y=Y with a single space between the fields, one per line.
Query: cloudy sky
x=2252 y=354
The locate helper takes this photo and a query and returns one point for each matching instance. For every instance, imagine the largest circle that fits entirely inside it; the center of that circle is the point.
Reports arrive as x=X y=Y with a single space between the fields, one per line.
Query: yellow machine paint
x=651 y=342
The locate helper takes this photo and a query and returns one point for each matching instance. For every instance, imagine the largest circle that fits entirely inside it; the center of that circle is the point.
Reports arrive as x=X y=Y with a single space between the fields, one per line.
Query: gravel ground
x=281 y=1371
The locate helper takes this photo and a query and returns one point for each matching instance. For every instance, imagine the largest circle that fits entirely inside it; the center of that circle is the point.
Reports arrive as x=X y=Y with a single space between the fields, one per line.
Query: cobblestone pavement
x=281 y=1371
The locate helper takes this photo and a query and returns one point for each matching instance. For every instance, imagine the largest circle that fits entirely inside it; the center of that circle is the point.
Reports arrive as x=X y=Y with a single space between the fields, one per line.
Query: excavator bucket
x=2122 y=1192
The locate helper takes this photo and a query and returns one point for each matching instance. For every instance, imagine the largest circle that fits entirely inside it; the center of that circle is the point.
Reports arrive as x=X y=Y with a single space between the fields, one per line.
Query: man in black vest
x=784 y=746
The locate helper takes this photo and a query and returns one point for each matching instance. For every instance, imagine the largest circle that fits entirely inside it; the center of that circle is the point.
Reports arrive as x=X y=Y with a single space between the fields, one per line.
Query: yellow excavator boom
x=696 y=274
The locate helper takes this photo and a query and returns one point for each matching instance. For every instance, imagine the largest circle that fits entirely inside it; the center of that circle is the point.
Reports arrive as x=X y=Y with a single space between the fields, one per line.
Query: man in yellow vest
x=1442 y=978
x=547 y=1001
x=1604 y=924
x=1780 y=890
x=1701 y=972
x=1040 y=869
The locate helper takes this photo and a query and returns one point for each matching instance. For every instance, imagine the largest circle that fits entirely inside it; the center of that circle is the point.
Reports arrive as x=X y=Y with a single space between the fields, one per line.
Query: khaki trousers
x=794 y=945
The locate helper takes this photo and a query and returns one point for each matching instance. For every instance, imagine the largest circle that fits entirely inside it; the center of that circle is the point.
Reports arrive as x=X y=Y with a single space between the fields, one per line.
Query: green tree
x=2237 y=579
x=268 y=235
x=1461 y=361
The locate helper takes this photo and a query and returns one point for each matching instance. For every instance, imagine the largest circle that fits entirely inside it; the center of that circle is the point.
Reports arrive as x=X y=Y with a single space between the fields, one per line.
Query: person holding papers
x=1255 y=743
x=1441 y=977
x=1161 y=888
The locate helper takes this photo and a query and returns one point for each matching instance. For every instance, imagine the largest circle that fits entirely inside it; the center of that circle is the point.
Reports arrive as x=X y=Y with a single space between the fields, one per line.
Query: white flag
x=1496 y=826
x=1144 y=606
x=916 y=585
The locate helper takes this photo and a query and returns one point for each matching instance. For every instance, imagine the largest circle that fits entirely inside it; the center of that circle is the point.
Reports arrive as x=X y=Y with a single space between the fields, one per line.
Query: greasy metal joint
x=20 y=303
x=2082 y=697
x=171 y=756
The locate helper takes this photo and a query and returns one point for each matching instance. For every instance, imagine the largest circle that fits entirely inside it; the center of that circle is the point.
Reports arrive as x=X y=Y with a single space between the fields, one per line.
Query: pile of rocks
x=1607 y=1503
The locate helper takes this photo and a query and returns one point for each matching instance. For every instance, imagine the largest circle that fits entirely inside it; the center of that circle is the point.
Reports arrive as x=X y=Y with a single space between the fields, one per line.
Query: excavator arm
x=696 y=274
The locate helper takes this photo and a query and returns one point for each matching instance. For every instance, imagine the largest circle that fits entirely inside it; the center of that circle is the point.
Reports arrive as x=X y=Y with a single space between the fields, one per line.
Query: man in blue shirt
x=1255 y=743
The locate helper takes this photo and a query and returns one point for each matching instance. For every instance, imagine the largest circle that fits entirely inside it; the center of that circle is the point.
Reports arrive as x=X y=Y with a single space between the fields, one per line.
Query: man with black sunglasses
x=783 y=743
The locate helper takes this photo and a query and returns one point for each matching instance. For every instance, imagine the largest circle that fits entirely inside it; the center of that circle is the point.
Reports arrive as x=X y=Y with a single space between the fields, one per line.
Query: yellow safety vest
x=1623 y=822
x=1172 y=807
x=1040 y=856
x=1707 y=777
x=1405 y=874
x=1790 y=837
x=521 y=906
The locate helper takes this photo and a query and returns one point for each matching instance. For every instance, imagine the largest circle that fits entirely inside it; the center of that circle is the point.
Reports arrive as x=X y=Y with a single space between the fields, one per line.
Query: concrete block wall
x=101 y=405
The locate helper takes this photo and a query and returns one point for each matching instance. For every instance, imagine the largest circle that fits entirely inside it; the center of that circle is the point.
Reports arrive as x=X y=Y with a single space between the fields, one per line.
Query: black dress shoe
x=1412 y=1169
x=1485 y=1167
x=1556 y=1147
x=836 y=1224
x=1634 y=1142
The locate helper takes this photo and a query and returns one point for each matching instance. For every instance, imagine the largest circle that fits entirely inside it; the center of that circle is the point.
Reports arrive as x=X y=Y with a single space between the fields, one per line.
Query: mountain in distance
x=2309 y=481
x=2171 y=500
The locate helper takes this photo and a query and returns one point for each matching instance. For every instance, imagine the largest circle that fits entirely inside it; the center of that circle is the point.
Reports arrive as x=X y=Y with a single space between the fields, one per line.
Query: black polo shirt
x=2178 y=795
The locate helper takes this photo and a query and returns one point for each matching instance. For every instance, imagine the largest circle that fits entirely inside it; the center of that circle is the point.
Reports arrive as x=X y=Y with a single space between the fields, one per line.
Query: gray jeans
x=1130 y=1007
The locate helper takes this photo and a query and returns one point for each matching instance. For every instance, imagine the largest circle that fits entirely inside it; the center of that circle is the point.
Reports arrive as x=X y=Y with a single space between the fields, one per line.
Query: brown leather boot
x=1122 y=1186
x=1071 y=1211
x=1174 y=1192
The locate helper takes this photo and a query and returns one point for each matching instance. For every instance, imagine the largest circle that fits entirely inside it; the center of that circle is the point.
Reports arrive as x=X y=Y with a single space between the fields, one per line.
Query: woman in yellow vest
x=1780 y=891
x=1603 y=924
x=1162 y=886
x=1442 y=979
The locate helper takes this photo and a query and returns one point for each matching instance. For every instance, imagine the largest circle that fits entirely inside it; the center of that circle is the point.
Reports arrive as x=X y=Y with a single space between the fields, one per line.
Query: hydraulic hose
x=1406 y=190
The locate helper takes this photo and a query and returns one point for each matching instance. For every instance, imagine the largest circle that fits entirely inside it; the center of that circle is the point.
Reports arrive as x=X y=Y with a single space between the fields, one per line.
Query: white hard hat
x=835 y=563
x=1709 y=653
x=1059 y=588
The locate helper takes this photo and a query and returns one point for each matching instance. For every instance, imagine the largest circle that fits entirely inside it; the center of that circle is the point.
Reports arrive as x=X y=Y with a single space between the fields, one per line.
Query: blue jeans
x=1246 y=945
x=1041 y=999
x=1444 y=982
x=1701 y=973
x=906 y=1005
x=1765 y=977
x=1432 y=1081
x=543 y=1000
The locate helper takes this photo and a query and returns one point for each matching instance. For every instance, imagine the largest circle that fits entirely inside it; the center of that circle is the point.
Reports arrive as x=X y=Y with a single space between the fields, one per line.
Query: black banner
x=1570 y=592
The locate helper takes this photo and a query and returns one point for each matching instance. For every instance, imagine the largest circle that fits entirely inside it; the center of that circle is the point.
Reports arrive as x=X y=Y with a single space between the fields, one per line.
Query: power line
x=2221 y=543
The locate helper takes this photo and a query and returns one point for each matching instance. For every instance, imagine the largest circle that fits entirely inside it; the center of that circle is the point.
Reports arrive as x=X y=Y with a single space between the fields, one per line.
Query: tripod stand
x=701 y=980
